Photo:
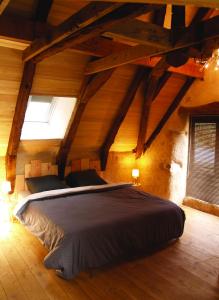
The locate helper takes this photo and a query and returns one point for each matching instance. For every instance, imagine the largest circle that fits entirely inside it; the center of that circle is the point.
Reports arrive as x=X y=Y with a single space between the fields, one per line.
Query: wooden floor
x=187 y=269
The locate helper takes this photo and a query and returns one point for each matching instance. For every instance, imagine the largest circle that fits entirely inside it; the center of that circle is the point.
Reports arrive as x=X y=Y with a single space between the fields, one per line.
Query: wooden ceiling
x=113 y=54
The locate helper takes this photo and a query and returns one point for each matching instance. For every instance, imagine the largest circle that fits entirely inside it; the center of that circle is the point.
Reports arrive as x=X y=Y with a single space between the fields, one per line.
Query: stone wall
x=163 y=168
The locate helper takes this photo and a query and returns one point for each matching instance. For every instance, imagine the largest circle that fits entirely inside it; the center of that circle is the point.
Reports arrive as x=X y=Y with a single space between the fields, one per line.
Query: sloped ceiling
x=62 y=75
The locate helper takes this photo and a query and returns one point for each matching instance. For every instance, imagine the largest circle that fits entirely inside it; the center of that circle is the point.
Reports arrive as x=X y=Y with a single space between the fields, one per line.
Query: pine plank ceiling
x=69 y=56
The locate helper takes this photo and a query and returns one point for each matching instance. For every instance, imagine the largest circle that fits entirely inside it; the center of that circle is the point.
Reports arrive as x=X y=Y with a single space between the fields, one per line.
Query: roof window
x=47 y=117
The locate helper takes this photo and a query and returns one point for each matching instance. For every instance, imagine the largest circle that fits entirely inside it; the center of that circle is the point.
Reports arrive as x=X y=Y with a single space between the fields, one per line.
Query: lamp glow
x=6 y=187
x=135 y=176
x=135 y=173
x=213 y=61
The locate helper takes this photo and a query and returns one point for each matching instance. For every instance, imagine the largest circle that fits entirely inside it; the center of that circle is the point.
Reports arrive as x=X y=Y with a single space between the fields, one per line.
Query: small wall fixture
x=135 y=176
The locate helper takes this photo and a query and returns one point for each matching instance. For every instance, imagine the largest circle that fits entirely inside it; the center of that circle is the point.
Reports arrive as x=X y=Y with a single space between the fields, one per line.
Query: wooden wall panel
x=84 y=164
x=60 y=75
x=127 y=136
x=34 y=168
x=44 y=150
x=100 y=112
x=163 y=100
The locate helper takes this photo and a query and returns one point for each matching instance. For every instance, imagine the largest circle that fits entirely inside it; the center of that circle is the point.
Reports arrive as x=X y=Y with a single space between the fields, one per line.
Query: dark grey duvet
x=91 y=228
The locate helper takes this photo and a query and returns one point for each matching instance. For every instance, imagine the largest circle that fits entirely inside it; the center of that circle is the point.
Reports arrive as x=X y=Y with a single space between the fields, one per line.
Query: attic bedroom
x=109 y=149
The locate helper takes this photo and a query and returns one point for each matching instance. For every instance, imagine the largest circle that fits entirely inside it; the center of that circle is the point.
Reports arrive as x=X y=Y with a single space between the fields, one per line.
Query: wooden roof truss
x=99 y=21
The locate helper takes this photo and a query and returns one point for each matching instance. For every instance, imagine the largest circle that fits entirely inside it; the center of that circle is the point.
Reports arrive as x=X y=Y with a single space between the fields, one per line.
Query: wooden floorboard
x=187 y=269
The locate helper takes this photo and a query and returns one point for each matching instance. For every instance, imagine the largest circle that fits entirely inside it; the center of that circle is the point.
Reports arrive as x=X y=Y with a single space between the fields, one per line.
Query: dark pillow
x=83 y=178
x=44 y=183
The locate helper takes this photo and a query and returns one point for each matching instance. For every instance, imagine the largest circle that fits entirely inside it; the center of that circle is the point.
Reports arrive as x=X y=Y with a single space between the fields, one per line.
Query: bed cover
x=89 y=227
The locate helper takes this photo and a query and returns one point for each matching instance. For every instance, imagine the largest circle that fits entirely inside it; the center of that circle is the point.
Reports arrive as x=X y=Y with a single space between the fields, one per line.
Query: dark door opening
x=203 y=166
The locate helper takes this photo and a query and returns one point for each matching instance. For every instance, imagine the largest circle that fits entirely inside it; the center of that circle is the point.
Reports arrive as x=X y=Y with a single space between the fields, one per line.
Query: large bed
x=89 y=227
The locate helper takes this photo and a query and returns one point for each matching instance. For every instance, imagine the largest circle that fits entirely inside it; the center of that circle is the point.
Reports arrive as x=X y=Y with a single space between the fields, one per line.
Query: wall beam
x=171 y=109
x=140 y=74
x=151 y=85
x=18 y=120
x=90 y=86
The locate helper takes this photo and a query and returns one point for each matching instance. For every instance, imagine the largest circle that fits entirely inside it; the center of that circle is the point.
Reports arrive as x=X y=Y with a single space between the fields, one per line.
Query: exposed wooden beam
x=161 y=83
x=42 y=11
x=177 y=58
x=3 y=5
x=140 y=74
x=100 y=47
x=159 y=16
x=126 y=56
x=90 y=87
x=169 y=112
x=180 y=57
x=199 y=3
x=177 y=22
x=141 y=32
x=190 y=69
x=202 y=31
x=23 y=31
x=202 y=13
x=73 y=24
x=80 y=33
x=151 y=85
x=18 y=120
x=20 y=30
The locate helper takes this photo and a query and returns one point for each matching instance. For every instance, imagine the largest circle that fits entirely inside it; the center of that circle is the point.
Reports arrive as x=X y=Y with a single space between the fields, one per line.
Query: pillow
x=44 y=183
x=83 y=178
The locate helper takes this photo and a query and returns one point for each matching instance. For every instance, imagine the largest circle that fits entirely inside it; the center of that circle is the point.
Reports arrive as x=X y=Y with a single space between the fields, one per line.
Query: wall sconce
x=135 y=176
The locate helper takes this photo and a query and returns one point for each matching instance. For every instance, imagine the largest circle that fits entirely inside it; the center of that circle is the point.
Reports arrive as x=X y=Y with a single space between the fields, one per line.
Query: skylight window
x=47 y=117
x=39 y=109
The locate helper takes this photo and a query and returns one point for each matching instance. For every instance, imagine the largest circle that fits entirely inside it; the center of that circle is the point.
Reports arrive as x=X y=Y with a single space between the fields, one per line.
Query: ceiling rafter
x=84 y=17
x=171 y=109
x=206 y=30
x=199 y=3
x=18 y=120
x=90 y=86
x=151 y=85
x=159 y=16
x=141 y=32
x=42 y=11
x=141 y=73
x=177 y=58
x=73 y=32
x=100 y=47
x=201 y=14
x=174 y=58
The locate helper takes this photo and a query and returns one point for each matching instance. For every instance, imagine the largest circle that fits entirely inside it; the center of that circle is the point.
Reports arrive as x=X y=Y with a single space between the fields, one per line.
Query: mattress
x=90 y=227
